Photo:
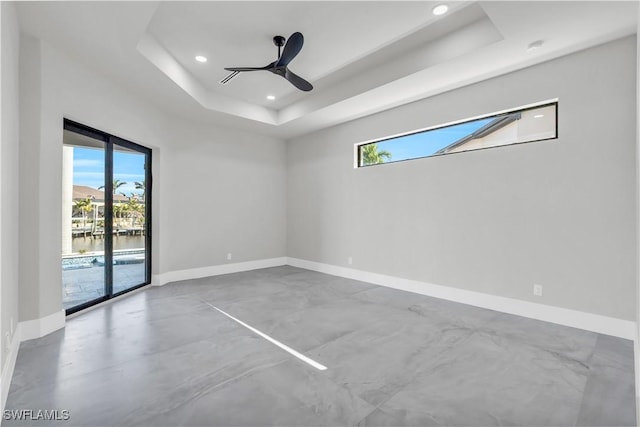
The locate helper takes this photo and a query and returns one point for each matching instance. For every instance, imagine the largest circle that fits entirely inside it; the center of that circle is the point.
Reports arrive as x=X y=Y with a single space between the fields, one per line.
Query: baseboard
x=636 y=352
x=638 y=410
x=9 y=366
x=215 y=270
x=36 y=328
x=562 y=316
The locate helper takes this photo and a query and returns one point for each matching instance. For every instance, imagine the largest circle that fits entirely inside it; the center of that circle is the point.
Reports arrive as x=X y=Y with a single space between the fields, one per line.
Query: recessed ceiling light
x=535 y=45
x=440 y=9
x=538 y=116
x=271 y=97
x=201 y=58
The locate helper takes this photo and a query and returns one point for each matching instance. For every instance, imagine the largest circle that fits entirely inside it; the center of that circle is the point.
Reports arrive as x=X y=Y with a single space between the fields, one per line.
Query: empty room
x=319 y=213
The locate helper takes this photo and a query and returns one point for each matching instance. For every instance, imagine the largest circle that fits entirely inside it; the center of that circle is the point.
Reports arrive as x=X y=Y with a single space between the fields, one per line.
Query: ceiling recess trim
x=151 y=49
x=399 y=77
x=379 y=77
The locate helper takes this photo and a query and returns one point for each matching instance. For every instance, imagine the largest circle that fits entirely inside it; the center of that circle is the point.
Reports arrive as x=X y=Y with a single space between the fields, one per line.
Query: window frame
x=547 y=103
x=109 y=142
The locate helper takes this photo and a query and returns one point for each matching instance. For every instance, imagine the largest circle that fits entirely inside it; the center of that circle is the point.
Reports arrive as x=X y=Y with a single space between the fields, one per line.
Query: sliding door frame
x=109 y=141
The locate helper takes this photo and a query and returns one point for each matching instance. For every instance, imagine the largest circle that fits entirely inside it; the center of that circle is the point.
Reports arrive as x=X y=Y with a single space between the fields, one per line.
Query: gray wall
x=559 y=213
x=9 y=176
x=222 y=192
x=228 y=184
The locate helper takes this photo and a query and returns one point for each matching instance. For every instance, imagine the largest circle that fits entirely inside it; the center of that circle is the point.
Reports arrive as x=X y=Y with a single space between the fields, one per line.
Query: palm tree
x=141 y=186
x=118 y=210
x=84 y=206
x=371 y=156
x=134 y=209
x=116 y=184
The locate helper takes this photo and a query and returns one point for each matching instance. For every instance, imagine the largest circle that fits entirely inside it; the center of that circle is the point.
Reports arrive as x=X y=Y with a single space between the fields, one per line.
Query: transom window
x=528 y=124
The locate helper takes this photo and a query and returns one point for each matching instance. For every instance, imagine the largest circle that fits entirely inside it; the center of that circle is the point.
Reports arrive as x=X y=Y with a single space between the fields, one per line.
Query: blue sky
x=426 y=143
x=88 y=168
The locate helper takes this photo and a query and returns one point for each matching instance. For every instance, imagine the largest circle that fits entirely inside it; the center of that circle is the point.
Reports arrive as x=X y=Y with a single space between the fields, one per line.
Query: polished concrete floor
x=167 y=357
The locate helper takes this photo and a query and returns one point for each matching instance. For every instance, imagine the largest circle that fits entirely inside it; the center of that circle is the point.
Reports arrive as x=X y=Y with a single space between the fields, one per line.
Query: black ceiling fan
x=279 y=66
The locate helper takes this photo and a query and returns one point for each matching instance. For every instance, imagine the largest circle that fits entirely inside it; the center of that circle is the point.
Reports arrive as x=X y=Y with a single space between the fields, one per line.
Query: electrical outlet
x=537 y=290
x=349 y=260
x=229 y=256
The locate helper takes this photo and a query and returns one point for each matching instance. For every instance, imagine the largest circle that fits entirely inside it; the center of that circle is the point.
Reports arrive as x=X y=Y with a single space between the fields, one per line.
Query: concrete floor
x=164 y=357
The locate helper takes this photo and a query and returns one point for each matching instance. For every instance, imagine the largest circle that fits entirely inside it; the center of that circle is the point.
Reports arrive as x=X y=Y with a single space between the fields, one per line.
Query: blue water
x=96 y=244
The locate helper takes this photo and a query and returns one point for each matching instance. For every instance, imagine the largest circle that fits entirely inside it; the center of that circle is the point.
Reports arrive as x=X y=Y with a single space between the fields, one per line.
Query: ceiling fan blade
x=291 y=49
x=247 y=68
x=297 y=81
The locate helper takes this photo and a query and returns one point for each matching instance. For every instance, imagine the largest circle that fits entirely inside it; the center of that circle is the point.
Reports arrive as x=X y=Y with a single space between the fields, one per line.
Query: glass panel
x=83 y=276
x=129 y=222
x=527 y=125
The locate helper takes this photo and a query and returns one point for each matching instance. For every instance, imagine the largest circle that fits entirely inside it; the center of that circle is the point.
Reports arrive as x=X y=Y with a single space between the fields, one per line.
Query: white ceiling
x=240 y=34
x=362 y=57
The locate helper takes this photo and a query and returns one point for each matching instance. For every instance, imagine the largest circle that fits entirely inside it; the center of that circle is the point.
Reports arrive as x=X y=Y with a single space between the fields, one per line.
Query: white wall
x=559 y=213
x=214 y=190
x=29 y=182
x=9 y=180
x=637 y=341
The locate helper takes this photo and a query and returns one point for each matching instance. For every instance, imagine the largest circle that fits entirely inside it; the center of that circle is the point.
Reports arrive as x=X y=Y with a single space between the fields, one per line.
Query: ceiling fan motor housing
x=279 y=41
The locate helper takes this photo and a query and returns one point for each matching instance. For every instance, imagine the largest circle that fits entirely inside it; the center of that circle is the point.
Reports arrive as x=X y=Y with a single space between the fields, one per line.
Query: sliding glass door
x=83 y=273
x=106 y=244
x=129 y=218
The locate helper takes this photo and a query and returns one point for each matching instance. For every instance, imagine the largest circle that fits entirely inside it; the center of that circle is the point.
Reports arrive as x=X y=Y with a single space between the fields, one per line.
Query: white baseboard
x=562 y=316
x=36 y=328
x=9 y=366
x=636 y=352
x=215 y=270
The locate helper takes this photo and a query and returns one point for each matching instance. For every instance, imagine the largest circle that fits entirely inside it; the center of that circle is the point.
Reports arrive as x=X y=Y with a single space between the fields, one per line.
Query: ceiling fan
x=279 y=66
